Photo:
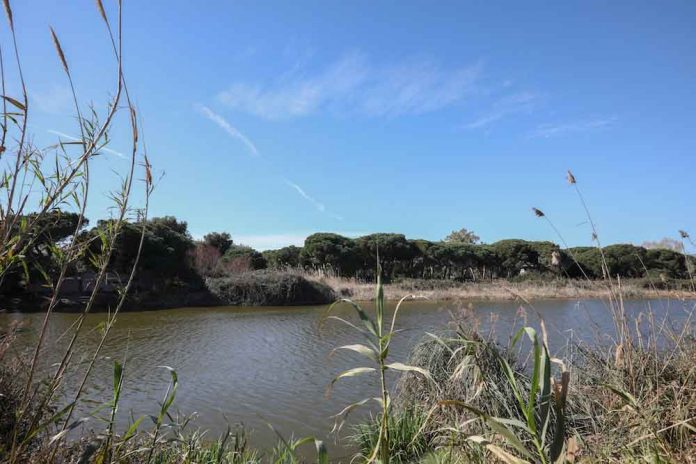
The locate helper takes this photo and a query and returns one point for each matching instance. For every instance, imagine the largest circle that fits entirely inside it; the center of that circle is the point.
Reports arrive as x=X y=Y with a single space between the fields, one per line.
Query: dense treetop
x=171 y=255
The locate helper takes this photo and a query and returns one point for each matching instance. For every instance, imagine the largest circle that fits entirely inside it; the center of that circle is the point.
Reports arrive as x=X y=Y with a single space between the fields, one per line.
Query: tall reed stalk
x=379 y=334
x=35 y=189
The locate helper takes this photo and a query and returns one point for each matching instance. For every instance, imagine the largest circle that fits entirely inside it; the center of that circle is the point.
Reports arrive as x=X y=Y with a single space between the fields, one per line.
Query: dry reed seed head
x=8 y=11
x=100 y=7
x=684 y=234
x=148 y=171
x=571 y=178
x=134 y=123
x=59 y=50
x=538 y=212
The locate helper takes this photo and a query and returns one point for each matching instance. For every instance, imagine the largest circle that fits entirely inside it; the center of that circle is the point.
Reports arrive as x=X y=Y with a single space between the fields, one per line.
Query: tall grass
x=407 y=441
x=631 y=400
x=38 y=185
x=378 y=334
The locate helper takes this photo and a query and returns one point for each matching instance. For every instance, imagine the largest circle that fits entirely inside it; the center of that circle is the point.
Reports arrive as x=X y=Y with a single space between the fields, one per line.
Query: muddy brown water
x=261 y=366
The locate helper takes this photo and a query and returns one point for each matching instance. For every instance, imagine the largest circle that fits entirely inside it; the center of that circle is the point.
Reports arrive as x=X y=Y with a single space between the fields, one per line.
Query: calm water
x=260 y=366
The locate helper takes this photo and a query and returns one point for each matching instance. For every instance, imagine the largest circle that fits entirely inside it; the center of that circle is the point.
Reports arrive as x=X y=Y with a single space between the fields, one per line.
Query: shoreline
x=433 y=290
x=502 y=290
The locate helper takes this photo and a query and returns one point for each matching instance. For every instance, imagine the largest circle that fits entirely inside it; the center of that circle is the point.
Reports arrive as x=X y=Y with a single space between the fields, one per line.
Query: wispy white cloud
x=555 y=130
x=317 y=204
x=233 y=132
x=75 y=139
x=523 y=102
x=352 y=85
x=229 y=128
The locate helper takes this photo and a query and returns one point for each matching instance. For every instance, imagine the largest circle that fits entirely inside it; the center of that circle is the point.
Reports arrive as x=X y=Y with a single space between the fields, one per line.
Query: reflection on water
x=260 y=366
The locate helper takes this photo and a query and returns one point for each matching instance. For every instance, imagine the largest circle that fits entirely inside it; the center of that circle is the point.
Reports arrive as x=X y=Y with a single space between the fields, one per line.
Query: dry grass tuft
x=59 y=50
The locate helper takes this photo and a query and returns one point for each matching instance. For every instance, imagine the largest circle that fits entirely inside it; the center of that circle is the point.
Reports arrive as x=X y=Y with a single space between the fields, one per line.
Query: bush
x=241 y=258
x=269 y=288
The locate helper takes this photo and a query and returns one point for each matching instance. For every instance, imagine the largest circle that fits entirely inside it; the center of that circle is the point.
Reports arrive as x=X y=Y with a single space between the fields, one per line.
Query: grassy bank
x=629 y=400
x=502 y=289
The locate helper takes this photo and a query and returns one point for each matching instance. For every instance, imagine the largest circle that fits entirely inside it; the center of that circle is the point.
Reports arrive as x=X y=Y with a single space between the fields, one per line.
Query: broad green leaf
x=356 y=371
x=397 y=366
x=343 y=414
x=361 y=349
x=361 y=314
x=130 y=433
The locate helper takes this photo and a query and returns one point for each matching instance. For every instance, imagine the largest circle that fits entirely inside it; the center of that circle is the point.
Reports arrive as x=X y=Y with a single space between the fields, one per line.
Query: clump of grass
x=230 y=448
x=38 y=190
x=407 y=441
x=12 y=377
x=193 y=448
x=642 y=396
x=465 y=366
x=489 y=400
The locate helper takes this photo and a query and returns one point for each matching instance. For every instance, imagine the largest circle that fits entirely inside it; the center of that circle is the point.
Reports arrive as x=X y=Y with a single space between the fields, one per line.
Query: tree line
x=171 y=256
x=406 y=258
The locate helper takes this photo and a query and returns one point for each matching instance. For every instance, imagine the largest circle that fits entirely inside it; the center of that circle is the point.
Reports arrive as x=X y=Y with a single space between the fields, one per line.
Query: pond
x=260 y=366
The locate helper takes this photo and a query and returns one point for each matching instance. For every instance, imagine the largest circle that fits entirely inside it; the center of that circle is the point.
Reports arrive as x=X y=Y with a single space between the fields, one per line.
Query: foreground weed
x=540 y=435
x=406 y=441
x=378 y=335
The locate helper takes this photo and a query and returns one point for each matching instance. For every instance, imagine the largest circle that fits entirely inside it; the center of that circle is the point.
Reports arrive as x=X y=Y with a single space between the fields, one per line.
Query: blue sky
x=273 y=120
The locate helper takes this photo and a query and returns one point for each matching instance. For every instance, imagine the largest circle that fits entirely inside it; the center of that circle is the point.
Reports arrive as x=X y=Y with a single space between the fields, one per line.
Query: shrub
x=241 y=258
x=269 y=288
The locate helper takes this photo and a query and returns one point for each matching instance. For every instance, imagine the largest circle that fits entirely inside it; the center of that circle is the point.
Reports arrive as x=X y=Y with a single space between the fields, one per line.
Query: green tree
x=42 y=248
x=240 y=258
x=285 y=257
x=666 y=261
x=331 y=251
x=625 y=260
x=396 y=254
x=515 y=255
x=420 y=265
x=463 y=236
x=220 y=240
x=589 y=262
x=165 y=254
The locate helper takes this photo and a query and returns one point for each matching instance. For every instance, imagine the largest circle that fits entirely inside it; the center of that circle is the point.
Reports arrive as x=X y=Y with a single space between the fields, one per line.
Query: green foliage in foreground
x=625 y=403
x=378 y=333
x=407 y=442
